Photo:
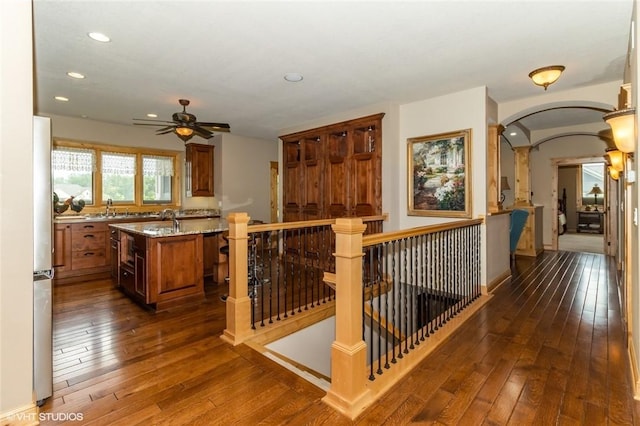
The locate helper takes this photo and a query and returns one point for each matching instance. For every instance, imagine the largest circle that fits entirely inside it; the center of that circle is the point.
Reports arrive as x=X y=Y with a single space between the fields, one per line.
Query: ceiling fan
x=185 y=125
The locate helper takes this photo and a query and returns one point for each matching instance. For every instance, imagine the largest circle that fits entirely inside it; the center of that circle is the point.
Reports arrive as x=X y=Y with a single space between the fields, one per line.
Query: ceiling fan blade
x=202 y=132
x=155 y=121
x=219 y=127
x=152 y=124
x=165 y=130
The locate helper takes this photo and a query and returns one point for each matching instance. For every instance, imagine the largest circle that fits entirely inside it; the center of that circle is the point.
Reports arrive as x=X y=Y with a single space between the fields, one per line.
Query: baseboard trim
x=22 y=416
x=497 y=282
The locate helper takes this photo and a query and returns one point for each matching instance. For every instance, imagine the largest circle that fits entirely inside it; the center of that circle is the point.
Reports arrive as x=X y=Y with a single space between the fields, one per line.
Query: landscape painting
x=439 y=175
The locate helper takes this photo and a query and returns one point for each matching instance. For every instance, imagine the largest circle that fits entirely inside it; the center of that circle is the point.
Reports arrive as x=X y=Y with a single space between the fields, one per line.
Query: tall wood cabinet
x=333 y=171
x=199 y=170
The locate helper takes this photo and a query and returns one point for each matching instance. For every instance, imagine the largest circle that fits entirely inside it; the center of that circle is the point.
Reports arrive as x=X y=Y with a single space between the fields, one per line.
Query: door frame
x=611 y=214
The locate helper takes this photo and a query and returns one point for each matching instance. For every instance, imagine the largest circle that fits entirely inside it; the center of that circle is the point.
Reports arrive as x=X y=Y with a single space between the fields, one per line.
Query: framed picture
x=439 y=175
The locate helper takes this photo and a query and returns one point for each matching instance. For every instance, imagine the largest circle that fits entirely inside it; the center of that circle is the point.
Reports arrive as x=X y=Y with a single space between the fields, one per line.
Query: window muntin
x=72 y=173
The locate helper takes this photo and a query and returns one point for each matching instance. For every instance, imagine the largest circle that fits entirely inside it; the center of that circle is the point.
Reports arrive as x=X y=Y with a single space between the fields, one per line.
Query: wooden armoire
x=333 y=171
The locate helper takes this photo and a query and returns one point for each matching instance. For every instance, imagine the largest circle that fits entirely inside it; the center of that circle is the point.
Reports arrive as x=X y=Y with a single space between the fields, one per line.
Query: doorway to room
x=581 y=192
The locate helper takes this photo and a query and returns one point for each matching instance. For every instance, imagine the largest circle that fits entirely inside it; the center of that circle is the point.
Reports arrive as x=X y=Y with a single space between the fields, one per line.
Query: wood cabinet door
x=62 y=247
x=337 y=180
x=312 y=170
x=292 y=180
x=364 y=185
x=201 y=159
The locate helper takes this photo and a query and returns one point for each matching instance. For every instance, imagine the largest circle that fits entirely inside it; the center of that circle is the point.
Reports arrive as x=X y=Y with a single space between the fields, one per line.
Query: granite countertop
x=165 y=228
x=124 y=217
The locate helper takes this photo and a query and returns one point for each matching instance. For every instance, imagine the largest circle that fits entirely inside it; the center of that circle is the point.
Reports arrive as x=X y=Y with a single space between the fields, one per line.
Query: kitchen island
x=161 y=265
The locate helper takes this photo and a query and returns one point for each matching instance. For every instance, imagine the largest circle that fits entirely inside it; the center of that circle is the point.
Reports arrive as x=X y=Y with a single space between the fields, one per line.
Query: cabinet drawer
x=88 y=240
x=90 y=227
x=89 y=259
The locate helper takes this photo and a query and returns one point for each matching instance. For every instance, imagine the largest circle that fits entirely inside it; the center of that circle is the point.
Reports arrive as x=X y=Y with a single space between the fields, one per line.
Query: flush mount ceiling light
x=293 y=77
x=622 y=124
x=61 y=99
x=99 y=37
x=546 y=75
x=151 y=115
x=74 y=74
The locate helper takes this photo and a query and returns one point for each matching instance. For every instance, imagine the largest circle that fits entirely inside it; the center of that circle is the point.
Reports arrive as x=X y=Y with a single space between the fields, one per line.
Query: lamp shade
x=504 y=183
x=546 y=75
x=622 y=124
x=595 y=190
x=616 y=158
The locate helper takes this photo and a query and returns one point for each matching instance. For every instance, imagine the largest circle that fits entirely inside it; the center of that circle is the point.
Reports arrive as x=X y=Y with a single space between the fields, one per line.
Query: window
x=130 y=177
x=593 y=183
x=72 y=173
x=118 y=177
x=157 y=173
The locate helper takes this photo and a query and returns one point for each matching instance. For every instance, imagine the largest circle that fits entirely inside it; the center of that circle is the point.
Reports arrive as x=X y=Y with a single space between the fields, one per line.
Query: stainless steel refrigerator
x=42 y=260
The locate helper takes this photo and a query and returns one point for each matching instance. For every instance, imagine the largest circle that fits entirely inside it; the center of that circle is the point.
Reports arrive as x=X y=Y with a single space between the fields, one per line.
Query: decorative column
x=238 y=303
x=493 y=168
x=348 y=393
x=523 y=176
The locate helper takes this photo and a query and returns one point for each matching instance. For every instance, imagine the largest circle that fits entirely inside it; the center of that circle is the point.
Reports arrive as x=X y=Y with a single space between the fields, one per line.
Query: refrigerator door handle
x=46 y=274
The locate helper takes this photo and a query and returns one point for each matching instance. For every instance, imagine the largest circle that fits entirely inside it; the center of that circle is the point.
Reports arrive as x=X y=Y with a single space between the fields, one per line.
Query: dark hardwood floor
x=547 y=349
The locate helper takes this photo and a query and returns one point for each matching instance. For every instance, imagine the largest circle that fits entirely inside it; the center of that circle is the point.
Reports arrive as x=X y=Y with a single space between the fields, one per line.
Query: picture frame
x=439 y=175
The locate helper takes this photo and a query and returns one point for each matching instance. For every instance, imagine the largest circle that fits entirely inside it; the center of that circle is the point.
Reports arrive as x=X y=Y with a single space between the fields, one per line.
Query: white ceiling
x=229 y=57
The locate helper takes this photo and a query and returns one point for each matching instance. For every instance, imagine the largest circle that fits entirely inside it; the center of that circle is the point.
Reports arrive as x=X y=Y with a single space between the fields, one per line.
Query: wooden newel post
x=238 y=302
x=348 y=392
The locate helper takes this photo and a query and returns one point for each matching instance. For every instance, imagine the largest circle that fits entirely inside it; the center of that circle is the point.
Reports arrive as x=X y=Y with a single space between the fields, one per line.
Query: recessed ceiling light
x=152 y=115
x=61 y=99
x=293 y=77
x=512 y=134
x=74 y=74
x=99 y=37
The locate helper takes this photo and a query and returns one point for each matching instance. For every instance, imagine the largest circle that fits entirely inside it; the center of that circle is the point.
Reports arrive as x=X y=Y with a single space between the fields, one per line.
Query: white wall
x=243 y=184
x=456 y=111
x=16 y=187
x=632 y=228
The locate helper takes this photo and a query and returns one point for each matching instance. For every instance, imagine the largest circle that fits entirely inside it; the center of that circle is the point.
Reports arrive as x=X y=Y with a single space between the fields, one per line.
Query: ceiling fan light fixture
x=546 y=76
x=184 y=131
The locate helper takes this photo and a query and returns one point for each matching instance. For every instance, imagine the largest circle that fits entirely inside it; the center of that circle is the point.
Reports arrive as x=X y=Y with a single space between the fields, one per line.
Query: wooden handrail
x=373 y=239
x=262 y=227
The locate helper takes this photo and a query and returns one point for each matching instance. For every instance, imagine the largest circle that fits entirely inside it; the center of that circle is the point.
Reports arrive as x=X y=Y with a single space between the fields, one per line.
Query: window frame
x=138 y=204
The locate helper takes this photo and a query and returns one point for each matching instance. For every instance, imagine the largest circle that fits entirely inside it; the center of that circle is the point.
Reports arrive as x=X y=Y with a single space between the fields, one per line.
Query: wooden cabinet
x=161 y=272
x=199 y=170
x=81 y=251
x=592 y=222
x=333 y=171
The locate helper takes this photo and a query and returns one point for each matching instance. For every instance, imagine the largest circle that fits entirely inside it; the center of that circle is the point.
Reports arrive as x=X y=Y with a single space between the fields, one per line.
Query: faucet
x=109 y=204
x=174 y=220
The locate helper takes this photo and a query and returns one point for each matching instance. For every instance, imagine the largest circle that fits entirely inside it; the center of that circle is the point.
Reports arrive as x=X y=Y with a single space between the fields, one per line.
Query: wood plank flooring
x=547 y=349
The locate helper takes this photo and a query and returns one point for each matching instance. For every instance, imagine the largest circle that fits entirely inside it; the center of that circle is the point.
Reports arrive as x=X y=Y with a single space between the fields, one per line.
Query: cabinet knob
x=89 y=236
x=89 y=253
